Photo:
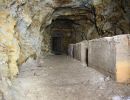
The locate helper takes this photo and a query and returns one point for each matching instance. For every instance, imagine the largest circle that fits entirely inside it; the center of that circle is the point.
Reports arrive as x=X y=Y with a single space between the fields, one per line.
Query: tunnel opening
x=61 y=35
x=57 y=45
x=68 y=26
x=87 y=56
x=65 y=30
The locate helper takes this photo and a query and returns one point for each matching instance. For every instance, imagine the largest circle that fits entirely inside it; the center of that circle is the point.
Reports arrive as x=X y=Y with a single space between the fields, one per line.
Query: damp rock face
x=9 y=51
x=8 y=45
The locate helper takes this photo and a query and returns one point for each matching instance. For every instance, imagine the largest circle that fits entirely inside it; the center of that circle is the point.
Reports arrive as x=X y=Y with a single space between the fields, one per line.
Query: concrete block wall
x=123 y=58
x=71 y=50
x=102 y=55
x=78 y=51
x=84 y=53
x=109 y=55
x=74 y=51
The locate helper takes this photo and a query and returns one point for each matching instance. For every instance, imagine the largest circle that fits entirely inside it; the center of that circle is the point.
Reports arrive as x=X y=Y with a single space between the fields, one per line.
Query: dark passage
x=61 y=35
x=57 y=45
x=87 y=57
x=65 y=30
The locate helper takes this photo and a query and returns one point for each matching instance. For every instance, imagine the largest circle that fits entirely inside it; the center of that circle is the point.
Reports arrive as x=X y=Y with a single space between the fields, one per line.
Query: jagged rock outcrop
x=111 y=19
x=9 y=45
x=9 y=50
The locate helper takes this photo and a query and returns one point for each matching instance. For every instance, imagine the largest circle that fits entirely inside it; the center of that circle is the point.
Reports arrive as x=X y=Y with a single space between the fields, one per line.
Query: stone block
x=71 y=50
x=122 y=58
x=74 y=51
x=102 y=55
x=111 y=56
x=77 y=51
x=84 y=52
x=80 y=51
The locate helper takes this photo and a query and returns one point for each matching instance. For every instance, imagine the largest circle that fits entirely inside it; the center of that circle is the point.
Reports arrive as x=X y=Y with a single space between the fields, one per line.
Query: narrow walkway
x=63 y=78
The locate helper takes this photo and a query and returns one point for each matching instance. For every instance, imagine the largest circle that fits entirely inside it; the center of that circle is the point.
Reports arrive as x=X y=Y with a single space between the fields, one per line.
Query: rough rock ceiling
x=63 y=1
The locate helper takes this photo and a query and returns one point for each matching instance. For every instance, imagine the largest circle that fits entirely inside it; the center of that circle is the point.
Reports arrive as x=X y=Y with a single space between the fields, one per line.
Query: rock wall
x=20 y=25
x=111 y=17
x=9 y=45
x=9 y=51
x=108 y=18
x=20 y=37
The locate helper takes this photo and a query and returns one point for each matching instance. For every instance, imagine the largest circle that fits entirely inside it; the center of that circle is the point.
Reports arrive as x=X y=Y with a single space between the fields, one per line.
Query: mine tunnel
x=67 y=29
x=64 y=49
x=61 y=35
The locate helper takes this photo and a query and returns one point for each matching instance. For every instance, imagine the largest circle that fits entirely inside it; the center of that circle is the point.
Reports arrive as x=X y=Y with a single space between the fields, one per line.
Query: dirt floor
x=63 y=78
